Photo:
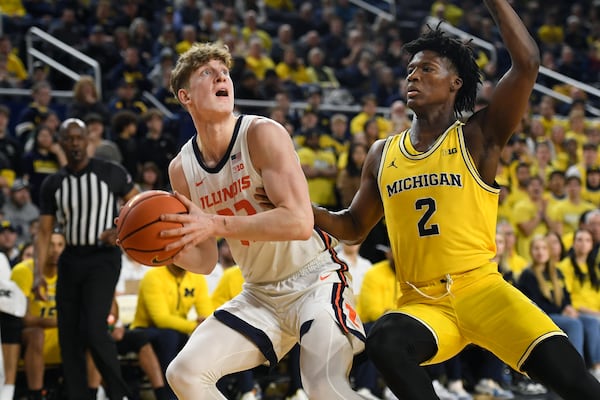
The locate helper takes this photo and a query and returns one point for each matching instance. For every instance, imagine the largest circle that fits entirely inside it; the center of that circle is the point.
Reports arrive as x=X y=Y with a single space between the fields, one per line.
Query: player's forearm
x=517 y=40
x=338 y=224
x=278 y=224
x=199 y=259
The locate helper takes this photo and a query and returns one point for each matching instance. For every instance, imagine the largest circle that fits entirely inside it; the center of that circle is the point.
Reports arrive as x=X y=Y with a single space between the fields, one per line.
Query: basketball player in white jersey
x=296 y=288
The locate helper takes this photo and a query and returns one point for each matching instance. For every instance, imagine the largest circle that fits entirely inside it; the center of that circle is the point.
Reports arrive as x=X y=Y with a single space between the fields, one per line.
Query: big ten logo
x=238 y=167
x=447 y=152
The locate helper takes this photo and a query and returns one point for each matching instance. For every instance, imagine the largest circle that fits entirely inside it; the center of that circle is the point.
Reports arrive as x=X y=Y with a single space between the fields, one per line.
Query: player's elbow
x=303 y=228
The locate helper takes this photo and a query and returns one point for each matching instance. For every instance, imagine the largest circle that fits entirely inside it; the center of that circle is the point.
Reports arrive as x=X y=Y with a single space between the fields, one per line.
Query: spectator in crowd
x=14 y=65
x=86 y=100
x=101 y=48
x=257 y=58
x=166 y=296
x=550 y=33
x=545 y=285
x=447 y=11
x=270 y=85
x=99 y=145
x=189 y=36
x=20 y=210
x=320 y=168
x=292 y=71
x=224 y=262
x=284 y=39
x=150 y=177
x=124 y=128
x=207 y=26
x=251 y=30
x=338 y=137
x=369 y=111
x=566 y=213
x=159 y=74
x=530 y=215
x=188 y=13
x=348 y=179
x=131 y=69
x=11 y=150
x=7 y=81
x=591 y=189
x=141 y=39
x=45 y=158
x=32 y=115
x=159 y=145
x=8 y=241
x=320 y=73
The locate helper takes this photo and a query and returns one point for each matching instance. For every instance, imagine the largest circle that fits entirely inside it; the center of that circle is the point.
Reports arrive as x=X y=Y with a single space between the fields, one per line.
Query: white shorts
x=275 y=316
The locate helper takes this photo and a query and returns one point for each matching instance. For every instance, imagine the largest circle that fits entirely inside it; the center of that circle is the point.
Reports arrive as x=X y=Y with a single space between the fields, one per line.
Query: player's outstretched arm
x=511 y=95
x=354 y=223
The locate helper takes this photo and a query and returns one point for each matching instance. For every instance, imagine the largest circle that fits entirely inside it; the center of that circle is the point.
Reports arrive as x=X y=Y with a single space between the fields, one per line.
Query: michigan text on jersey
x=423 y=181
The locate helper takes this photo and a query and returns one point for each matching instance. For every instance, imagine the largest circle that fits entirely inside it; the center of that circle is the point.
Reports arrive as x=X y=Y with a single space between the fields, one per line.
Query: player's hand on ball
x=197 y=226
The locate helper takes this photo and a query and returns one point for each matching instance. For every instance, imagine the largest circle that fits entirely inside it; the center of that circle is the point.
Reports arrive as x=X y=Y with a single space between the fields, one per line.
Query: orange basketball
x=139 y=227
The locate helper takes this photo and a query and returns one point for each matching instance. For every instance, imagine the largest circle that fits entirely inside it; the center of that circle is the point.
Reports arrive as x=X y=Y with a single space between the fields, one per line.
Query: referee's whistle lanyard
x=447 y=280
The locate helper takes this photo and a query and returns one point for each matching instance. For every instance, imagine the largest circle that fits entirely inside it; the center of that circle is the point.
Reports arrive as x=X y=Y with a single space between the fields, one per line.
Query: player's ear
x=456 y=84
x=183 y=96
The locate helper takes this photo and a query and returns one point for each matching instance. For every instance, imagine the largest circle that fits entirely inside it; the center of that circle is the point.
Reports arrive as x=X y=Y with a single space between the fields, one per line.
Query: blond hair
x=554 y=293
x=198 y=55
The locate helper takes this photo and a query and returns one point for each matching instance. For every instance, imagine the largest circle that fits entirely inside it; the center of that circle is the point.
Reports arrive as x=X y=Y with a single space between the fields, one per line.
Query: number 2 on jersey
x=425 y=228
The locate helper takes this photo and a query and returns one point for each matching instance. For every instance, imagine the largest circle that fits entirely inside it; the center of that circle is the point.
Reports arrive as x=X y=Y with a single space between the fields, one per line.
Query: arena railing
x=35 y=35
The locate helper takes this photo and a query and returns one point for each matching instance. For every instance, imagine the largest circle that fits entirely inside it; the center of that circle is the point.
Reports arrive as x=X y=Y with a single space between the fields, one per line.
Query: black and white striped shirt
x=85 y=203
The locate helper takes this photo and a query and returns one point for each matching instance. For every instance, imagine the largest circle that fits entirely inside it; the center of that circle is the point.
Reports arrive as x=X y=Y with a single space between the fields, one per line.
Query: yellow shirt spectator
x=582 y=292
x=165 y=299
x=379 y=292
x=229 y=286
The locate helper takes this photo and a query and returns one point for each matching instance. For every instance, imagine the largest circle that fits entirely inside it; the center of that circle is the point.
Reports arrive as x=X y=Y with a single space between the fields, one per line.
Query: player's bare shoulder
x=262 y=126
x=374 y=157
x=268 y=142
x=177 y=176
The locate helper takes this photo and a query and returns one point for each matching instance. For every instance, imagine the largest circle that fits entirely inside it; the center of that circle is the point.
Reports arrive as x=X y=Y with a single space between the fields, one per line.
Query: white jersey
x=228 y=189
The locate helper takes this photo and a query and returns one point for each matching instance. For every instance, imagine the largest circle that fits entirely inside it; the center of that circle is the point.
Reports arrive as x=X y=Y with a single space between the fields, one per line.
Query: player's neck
x=424 y=130
x=213 y=138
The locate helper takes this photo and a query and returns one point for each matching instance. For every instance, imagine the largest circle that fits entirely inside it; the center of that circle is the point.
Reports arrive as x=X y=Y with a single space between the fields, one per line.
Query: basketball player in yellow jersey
x=434 y=183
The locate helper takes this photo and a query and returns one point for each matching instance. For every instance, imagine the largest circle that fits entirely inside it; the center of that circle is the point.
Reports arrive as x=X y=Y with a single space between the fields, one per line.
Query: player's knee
x=400 y=338
x=184 y=374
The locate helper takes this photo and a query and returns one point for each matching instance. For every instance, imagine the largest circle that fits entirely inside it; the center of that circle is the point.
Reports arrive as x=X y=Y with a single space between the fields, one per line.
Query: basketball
x=139 y=227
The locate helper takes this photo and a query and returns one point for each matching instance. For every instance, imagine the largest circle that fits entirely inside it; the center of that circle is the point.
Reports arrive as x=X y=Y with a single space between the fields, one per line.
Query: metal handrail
x=389 y=16
x=32 y=53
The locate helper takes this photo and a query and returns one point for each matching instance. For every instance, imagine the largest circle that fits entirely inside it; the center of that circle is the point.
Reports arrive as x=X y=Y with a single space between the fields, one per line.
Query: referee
x=83 y=197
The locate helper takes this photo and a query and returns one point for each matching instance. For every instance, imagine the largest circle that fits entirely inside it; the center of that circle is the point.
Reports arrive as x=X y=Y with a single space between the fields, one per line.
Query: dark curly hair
x=461 y=57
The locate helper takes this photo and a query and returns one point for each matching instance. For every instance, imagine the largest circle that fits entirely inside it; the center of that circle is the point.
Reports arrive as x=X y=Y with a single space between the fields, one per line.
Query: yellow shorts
x=51 y=346
x=481 y=308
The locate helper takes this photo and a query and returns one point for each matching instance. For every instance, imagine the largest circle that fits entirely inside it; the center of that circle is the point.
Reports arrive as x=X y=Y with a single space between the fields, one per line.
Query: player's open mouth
x=222 y=93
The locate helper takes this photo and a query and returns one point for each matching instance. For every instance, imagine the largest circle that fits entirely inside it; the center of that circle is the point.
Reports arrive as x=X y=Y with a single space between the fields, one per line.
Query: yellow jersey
x=440 y=214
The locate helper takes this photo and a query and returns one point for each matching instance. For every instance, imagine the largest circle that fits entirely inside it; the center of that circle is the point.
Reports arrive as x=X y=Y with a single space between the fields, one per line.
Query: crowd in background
x=321 y=54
